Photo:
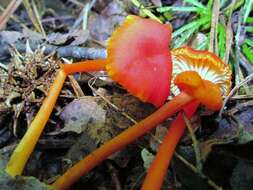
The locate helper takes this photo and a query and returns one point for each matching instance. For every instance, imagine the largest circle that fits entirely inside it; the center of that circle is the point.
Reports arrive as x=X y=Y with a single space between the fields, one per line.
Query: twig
x=232 y=92
x=37 y=16
x=83 y=16
x=14 y=18
x=242 y=97
x=33 y=15
x=114 y=176
x=86 y=11
x=76 y=87
x=245 y=64
x=11 y=8
x=191 y=167
x=74 y=52
x=145 y=10
x=195 y=170
x=229 y=34
x=237 y=48
x=194 y=143
x=91 y=82
x=213 y=33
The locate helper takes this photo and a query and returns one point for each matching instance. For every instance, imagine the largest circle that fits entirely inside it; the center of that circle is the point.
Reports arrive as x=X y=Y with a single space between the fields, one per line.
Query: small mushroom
x=194 y=90
x=205 y=77
x=138 y=59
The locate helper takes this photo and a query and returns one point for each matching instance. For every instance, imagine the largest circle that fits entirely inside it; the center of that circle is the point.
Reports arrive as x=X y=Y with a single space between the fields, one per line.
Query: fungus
x=194 y=90
x=189 y=66
x=138 y=57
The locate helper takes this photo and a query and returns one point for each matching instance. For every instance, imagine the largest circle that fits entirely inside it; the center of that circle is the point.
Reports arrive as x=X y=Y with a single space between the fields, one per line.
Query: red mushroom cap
x=139 y=60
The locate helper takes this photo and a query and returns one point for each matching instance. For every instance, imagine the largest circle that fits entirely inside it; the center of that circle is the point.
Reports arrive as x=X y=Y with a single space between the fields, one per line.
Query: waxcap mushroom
x=206 y=64
x=139 y=60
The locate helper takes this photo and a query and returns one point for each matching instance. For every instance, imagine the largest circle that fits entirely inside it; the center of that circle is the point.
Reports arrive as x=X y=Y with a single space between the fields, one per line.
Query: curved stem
x=25 y=147
x=120 y=141
x=84 y=66
x=158 y=169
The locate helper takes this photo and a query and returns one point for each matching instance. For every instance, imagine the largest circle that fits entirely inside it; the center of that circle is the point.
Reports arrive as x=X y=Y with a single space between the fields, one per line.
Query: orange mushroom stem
x=159 y=167
x=191 y=83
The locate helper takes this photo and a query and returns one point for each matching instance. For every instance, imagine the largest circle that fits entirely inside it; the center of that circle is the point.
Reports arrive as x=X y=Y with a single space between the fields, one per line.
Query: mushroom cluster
x=139 y=61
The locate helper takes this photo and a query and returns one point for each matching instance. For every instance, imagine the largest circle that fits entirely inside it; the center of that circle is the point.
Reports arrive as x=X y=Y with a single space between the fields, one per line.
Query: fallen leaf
x=10 y=37
x=82 y=112
x=77 y=37
x=20 y=182
x=102 y=25
x=147 y=158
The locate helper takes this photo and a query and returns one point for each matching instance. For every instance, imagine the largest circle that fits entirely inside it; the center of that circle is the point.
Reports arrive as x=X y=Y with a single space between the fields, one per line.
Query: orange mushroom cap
x=139 y=60
x=206 y=64
x=191 y=83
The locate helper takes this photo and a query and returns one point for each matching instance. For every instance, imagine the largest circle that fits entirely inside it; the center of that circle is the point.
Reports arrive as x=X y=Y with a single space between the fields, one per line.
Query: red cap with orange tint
x=139 y=60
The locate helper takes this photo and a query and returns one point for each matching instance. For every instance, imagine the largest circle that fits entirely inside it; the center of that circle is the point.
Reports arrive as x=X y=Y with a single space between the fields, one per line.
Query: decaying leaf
x=242 y=176
x=102 y=25
x=236 y=127
x=19 y=182
x=77 y=37
x=147 y=158
x=80 y=114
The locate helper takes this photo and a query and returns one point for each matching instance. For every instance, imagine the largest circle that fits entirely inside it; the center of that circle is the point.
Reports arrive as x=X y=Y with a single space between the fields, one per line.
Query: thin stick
x=120 y=141
x=195 y=144
x=195 y=170
x=13 y=5
x=233 y=91
x=214 y=24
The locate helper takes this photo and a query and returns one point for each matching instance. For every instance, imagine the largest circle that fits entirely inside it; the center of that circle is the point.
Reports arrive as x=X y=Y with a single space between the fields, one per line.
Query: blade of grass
x=196 y=3
x=178 y=8
x=222 y=40
x=145 y=10
x=195 y=144
x=247 y=8
x=209 y=4
x=248 y=52
x=249 y=20
x=249 y=29
x=233 y=6
x=249 y=42
x=33 y=16
x=195 y=24
x=184 y=38
x=37 y=16
x=203 y=45
x=12 y=17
